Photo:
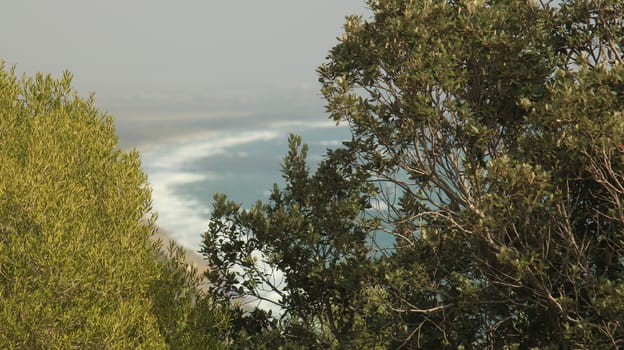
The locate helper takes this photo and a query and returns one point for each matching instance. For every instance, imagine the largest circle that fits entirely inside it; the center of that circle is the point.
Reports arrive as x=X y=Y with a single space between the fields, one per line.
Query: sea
x=189 y=159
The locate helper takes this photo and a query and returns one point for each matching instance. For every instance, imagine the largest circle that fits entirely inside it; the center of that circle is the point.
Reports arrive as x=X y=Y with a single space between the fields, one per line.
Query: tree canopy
x=488 y=143
x=77 y=266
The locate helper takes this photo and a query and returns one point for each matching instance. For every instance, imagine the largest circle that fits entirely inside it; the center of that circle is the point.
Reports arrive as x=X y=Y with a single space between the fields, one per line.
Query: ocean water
x=187 y=170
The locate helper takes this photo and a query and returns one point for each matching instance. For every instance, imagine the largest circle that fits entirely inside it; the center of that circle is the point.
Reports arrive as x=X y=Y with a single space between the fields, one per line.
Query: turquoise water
x=244 y=165
x=185 y=172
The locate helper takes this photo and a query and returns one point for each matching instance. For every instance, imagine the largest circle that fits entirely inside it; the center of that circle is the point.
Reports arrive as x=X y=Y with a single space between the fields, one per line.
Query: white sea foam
x=186 y=218
x=332 y=143
x=304 y=124
x=182 y=152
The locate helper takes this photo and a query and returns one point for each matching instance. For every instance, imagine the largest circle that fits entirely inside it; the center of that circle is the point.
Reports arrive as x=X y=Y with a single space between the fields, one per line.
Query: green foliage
x=488 y=140
x=187 y=318
x=500 y=121
x=77 y=266
x=314 y=234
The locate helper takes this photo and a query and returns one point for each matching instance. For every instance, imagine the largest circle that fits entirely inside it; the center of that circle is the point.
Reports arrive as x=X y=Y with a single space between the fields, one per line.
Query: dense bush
x=77 y=266
x=491 y=132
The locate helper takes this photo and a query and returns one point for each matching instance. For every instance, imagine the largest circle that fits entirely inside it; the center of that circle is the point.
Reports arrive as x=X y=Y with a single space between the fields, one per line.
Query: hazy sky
x=176 y=52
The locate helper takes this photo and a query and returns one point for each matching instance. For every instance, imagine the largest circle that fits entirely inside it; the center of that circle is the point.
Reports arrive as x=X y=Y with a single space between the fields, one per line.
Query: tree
x=77 y=266
x=497 y=125
x=305 y=251
x=491 y=132
x=187 y=317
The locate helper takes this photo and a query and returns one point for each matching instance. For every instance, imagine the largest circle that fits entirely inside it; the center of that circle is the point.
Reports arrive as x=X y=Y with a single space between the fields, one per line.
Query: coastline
x=186 y=161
